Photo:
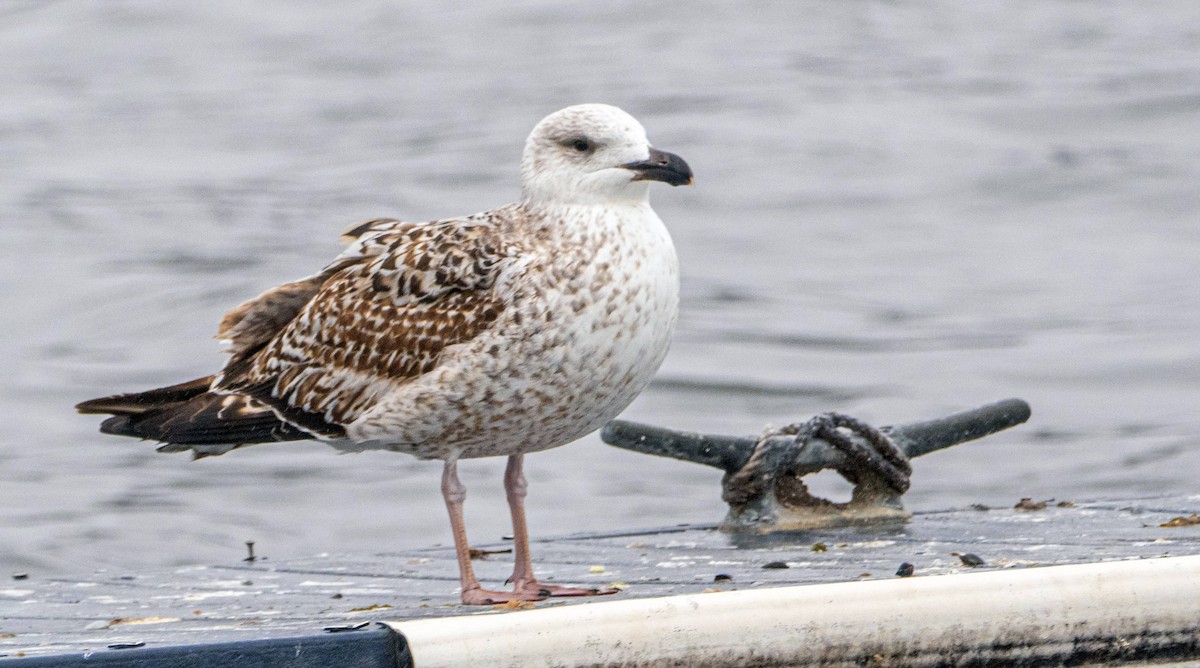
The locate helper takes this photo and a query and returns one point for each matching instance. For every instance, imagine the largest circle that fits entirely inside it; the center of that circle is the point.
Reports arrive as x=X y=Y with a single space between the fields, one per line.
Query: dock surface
x=123 y=614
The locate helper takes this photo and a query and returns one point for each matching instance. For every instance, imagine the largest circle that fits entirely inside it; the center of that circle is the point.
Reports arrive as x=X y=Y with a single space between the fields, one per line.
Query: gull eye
x=581 y=144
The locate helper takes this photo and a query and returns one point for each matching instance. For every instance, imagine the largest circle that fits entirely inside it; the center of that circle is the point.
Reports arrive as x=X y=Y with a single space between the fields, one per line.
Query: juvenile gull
x=510 y=331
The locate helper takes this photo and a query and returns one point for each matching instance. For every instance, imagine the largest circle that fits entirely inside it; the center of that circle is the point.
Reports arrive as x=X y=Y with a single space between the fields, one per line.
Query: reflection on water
x=901 y=210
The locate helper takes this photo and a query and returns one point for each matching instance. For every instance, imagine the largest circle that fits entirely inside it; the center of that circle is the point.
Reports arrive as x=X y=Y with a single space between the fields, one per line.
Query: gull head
x=594 y=154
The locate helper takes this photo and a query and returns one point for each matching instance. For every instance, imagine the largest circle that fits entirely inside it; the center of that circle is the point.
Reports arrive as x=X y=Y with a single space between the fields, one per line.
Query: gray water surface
x=902 y=209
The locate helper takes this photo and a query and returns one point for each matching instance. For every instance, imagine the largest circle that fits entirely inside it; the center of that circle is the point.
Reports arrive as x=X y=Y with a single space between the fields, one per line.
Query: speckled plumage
x=505 y=332
x=508 y=331
x=513 y=330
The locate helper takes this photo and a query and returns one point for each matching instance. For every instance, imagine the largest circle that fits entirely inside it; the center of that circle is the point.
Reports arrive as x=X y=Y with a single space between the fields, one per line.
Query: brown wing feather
x=400 y=296
x=253 y=322
x=360 y=230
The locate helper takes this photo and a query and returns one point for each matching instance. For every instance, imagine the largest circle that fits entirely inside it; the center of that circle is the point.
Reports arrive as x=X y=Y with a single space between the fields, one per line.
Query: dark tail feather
x=188 y=414
x=137 y=403
x=118 y=425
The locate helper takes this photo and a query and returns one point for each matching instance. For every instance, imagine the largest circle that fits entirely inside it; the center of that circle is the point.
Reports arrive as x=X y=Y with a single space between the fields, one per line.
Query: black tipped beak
x=662 y=166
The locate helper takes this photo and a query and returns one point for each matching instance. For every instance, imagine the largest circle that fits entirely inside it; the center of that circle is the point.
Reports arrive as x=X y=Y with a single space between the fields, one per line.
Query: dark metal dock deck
x=170 y=617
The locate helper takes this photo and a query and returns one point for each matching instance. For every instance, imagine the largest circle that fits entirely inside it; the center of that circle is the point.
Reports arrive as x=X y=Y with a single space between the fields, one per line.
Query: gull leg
x=522 y=578
x=472 y=593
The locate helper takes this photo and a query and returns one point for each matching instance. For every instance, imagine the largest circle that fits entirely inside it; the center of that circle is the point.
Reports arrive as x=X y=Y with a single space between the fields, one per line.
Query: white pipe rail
x=1101 y=610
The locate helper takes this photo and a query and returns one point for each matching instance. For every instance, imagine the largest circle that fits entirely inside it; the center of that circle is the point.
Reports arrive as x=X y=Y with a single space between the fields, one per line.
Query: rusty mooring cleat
x=762 y=482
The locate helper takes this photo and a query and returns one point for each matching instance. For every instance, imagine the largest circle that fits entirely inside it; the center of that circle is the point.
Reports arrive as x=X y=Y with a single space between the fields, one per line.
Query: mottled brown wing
x=251 y=324
x=254 y=322
x=371 y=227
x=397 y=298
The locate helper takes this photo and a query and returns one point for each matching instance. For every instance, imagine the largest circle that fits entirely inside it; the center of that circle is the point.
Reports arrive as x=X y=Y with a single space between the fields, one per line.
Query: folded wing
x=310 y=356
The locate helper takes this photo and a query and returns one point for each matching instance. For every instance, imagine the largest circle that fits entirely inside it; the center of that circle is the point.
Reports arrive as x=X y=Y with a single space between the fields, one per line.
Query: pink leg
x=522 y=578
x=472 y=593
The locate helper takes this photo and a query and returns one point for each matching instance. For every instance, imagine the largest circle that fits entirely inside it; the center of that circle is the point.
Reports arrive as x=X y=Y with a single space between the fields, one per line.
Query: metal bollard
x=772 y=497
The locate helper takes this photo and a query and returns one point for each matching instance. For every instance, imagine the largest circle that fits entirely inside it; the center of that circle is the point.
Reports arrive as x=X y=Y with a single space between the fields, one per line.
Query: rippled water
x=902 y=209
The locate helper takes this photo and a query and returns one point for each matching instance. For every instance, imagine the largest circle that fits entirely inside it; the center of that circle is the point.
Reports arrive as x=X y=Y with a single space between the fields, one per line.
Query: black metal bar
x=724 y=452
x=730 y=453
x=920 y=438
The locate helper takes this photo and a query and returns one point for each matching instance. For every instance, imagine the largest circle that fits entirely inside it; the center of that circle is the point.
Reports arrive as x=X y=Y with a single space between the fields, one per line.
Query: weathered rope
x=878 y=459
